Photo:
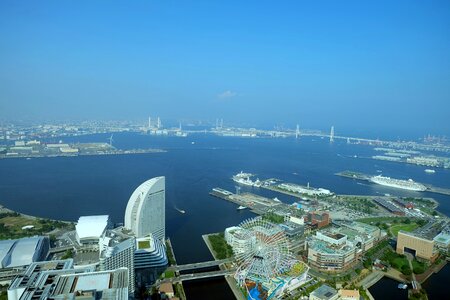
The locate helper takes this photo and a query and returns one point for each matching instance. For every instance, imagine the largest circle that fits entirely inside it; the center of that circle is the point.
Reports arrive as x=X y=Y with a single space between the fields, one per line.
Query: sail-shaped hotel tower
x=145 y=212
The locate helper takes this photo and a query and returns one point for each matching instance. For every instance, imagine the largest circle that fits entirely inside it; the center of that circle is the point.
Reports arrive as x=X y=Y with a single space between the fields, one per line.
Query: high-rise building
x=118 y=256
x=150 y=260
x=145 y=212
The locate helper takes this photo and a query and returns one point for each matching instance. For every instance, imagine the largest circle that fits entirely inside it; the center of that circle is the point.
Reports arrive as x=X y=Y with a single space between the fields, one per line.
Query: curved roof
x=92 y=226
x=5 y=248
x=21 y=252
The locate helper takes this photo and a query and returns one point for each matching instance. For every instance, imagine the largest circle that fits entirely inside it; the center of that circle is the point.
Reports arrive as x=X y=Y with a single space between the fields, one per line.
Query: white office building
x=145 y=212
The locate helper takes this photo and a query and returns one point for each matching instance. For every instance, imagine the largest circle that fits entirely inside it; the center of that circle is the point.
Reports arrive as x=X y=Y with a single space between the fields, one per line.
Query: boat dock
x=353 y=175
x=366 y=177
x=257 y=204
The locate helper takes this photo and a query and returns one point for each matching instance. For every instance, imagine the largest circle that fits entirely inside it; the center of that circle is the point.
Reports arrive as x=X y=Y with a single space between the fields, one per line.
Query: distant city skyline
x=382 y=66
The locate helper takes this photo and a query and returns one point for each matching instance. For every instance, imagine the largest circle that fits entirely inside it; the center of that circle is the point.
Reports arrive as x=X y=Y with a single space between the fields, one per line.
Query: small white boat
x=180 y=210
x=241 y=207
x=430 y=171
x=402 y=286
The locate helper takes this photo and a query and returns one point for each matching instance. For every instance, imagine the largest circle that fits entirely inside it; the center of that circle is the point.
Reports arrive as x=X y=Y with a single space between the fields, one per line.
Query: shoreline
x=118 y=152
x=231 y=282
x=4 y=209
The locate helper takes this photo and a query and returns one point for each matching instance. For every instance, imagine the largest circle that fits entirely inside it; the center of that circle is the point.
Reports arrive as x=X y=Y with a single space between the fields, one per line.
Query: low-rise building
x=442 y=240
x=337 y=248
x=389 y=206
x=58 y=280
x=111 y=284
x=167 y=289
x=328 y=256
x=403 y=203
x=90 y=229
x=35 y=282
x=24 y=251
x=319 y=219
x=324 y=292
x=349 y=294
x=417 y=244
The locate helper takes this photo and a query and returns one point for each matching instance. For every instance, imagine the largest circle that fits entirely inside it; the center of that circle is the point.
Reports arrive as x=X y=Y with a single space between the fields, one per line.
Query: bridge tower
x=332 y=134
x=159 y=123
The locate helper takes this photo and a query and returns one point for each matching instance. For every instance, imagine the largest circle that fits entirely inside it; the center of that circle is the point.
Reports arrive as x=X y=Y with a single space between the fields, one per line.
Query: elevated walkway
x=200 y=265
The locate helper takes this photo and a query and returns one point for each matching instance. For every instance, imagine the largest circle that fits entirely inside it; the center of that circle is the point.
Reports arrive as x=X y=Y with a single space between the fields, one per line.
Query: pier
x=365 y=177
x=257 y=204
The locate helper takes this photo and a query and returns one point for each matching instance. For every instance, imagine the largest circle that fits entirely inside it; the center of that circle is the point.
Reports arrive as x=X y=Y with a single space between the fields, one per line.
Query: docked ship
x=244 y=179
x=409 y=184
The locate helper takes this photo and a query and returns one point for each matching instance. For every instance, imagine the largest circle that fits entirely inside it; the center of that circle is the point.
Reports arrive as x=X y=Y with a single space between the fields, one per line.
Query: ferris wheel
x=264 y=254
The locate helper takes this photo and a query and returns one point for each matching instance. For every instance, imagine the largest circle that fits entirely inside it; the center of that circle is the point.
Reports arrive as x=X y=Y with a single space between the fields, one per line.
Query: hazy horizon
x=369 y=67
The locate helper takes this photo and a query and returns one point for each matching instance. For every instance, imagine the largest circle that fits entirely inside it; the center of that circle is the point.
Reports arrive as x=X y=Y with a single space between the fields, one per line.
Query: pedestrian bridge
x=200 y=265
x=201 y=275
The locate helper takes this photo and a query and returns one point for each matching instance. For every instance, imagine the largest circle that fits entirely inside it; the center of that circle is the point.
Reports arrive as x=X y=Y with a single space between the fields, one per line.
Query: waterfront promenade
x=230 y=280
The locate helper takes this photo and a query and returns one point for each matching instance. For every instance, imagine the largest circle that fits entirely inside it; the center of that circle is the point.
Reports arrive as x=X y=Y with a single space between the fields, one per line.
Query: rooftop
x=443 y=237
x=166 y=288
x=324 y=292
x=349 y=293
x=24 y=251
x=146 y=243
x=92 y=226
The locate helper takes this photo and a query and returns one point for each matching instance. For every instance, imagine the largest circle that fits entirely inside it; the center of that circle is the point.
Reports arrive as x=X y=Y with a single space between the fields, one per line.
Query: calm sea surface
x=68 y=187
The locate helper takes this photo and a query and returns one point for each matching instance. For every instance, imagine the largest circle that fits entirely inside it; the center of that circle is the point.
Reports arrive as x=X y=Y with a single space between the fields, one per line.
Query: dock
x=255 y=203
x=366 y=177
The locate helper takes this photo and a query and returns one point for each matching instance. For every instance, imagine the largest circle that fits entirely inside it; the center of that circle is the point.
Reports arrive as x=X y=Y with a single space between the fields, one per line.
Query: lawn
x=11 y=226
x=374 y=220
x=143 y=244
x=169 y=274
x=405 y=227
x=396 y=260
x=220 y=246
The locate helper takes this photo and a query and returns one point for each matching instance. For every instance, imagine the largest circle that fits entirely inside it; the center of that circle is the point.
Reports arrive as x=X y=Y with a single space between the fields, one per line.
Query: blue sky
x=354 y=64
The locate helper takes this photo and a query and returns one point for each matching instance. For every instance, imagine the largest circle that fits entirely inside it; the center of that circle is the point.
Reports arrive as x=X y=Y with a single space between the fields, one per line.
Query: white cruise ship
x=398 y=183
x=244 y=179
